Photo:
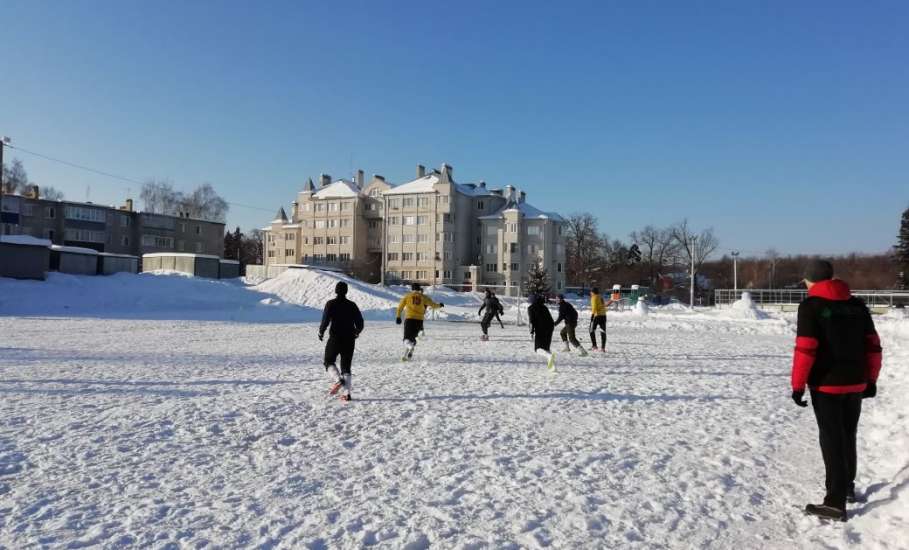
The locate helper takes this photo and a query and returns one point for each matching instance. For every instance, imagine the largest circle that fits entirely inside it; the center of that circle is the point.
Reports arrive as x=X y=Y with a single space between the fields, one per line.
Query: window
x=84 y=235
x=407 y=256
x=318 y=240
x=331 y=223
x=319 y=206
x=513 y=247
x=466 y=275
x=421 y=220
x=182 y=227
x=491 y=249
x=156 y=241
x=319 y=224
x=332 y=207
x=344 y=222
x=443 y=200
x=531 y=249
x=447 y=254
x=288 y=251
x=394 y=238
x=559 y=266
x=344 y=256
x=84 y=214
x=346 y=206
x=406 y=274
x=289 y=236
x=198 y=230
x=331 y=257
x=393 y=220
x=422 y=256
x=392 y=256
x=410 y=220
x=271 y=253
x=305 y=240
x=480 y=205
x=421 y=275
x=422 y=238
x=374 y=192
x=491 y=268
x=512 y=228
x=181 y=247
x=515 y=267
x=270 y=237
x=423 y=201
x=344 y=239
x=447 y=274
x=394 y=204
x=559 y=285
x=331 y=240
x=124 y=240
x=533 y=229
x=560 y=232
x=373 y=224
x=28 y=209
x=410 y=238
x=50 y=212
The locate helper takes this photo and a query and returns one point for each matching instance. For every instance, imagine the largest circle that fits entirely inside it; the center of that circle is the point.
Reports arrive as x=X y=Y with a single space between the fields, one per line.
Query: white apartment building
x=431 y=229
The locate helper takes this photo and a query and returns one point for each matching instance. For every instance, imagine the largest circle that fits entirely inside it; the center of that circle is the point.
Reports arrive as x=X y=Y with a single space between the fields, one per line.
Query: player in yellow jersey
x=413 y=305
x=598 y=308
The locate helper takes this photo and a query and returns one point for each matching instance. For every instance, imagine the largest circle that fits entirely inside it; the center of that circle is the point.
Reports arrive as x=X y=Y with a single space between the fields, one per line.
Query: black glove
x=441 y=304
x=799 y=397
x=321 y=335
x=397 y=320
x=870 y=390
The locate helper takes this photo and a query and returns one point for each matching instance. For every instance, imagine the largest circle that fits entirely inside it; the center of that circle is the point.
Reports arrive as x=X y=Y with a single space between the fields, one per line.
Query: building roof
x=281 y=216
x=309 y=185
x=525 y=209
x=426 y=184
x=340 y=189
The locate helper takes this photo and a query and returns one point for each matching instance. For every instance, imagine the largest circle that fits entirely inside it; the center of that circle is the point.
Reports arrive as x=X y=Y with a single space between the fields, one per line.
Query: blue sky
x=779 y=124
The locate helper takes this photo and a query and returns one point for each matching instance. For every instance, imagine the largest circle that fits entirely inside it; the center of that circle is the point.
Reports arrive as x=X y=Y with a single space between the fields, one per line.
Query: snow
x=745 y=308
x=74 y=249
x=161 y=411
x=420 y=185
x=24 y=240
x=180 y=254
x=526 y=210
x=338 y=190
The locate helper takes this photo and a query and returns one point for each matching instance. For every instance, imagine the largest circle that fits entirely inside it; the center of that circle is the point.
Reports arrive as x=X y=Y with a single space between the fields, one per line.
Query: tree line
x=160 y=197
x=16 y=182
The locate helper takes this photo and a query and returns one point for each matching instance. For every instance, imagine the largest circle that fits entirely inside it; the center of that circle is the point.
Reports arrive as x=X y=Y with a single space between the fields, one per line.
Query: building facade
x=431 y=229
x=108 y=229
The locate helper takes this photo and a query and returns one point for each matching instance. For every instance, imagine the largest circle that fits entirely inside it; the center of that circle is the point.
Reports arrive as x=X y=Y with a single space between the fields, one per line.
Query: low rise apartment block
x=108 y=229
x=431 y=229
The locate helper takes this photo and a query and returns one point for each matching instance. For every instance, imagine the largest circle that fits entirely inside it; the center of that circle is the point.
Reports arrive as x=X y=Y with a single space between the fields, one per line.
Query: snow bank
x=24 y=239
x=312 y=288
x=745 y=308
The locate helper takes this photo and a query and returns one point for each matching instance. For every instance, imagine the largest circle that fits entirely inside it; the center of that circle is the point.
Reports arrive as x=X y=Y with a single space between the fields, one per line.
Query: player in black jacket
x=541 y=327
x=492 y=306
x=346 y=323
x=569 y=314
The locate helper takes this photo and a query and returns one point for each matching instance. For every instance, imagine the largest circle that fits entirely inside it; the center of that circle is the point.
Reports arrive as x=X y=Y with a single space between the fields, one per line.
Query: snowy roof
x=340 y=189
x=230 y=262
x=112 y=255
x=473 y=190
x=179 y=254
x=281 y=216
x=74 y=249
x=525 y=209
x=24 y=240
x=426 y=184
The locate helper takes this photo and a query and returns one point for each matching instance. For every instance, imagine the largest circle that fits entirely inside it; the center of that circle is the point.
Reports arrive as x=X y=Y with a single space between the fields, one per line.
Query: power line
x=114 y=176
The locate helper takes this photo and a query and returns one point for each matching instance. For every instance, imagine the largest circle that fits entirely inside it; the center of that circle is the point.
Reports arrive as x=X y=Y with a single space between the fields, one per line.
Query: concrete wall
x=198 y=266
x=75 y=263
x=24 y=261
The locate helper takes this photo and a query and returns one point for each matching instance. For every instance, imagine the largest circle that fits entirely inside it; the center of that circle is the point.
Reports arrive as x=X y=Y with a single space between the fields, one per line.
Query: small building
x=197 y=265
x=24 y=257
x=117 y=263
x=74 y=260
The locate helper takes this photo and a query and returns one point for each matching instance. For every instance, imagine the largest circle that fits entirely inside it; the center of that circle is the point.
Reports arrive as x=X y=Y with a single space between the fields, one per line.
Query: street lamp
x=694 y=248
x=735 y=273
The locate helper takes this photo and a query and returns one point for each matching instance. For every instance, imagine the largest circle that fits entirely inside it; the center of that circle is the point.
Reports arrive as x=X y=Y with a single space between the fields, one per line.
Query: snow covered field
x=209 y=426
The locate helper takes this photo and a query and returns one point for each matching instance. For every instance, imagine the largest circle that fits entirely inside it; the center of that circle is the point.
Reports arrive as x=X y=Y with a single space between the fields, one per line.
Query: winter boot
x=566 y=349
x=582 y=351
x=348 y=382
x=335 y=376
x=826 y=512
x=408 y=350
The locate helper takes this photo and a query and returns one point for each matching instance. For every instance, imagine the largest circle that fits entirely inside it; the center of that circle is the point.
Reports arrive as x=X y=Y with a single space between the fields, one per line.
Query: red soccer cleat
x=335 y=387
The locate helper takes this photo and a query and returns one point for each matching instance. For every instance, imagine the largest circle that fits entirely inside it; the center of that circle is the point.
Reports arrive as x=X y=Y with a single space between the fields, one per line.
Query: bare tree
x=582 y=246
x=204 y=203
x=159 y=197
x=15 y=178
x=50 y=193
x=773 y=258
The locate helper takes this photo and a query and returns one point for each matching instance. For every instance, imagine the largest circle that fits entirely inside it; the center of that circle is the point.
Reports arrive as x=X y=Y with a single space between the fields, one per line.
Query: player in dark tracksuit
x=491 y=305
x=569 y=314
x=346 y=322
x=838 y=355
x=541 y=327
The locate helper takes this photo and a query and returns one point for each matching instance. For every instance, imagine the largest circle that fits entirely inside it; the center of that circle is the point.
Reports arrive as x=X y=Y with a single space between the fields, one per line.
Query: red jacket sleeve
x=803 y=360
x=873 y=354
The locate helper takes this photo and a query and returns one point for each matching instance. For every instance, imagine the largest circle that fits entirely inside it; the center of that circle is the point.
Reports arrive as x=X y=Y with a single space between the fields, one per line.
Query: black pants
x=542 y=339
x=568 y=335
x=598 y=322
x=412 y=328
x=837 y=422
x=487 y=320
x=339 y=346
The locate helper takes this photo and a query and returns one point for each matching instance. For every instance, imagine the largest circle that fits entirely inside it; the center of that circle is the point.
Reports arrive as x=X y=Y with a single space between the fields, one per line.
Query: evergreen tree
x=901 y=250
x=537 y=279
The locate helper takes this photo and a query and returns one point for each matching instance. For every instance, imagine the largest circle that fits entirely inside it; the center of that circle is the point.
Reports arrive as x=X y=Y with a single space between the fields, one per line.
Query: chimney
x=378 y=177
x=32 y=192
x=522 y=197
x=421 y=171
x=129 y=205
x=446 y=173
x=324 y=180
x=509 y=191
x=360 y=178
x=482 y=185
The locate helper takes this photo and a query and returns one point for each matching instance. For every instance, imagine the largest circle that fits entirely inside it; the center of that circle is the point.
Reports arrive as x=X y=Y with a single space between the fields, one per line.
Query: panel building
x=432 y=229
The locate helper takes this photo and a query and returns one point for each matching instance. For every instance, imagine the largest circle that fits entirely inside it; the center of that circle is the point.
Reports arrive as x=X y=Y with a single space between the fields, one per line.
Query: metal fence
x=784 y=296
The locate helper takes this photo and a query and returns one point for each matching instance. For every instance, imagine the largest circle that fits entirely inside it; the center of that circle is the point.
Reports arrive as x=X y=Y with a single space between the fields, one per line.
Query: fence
x=785 y=296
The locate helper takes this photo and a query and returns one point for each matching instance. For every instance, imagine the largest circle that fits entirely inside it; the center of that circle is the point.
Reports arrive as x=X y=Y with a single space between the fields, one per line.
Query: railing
x=784 y=296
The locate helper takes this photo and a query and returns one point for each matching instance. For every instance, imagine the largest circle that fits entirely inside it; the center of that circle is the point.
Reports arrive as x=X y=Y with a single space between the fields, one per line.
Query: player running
x=569 y=314
x=346 y=325
x=598 y=307
x=414 y=305
x=541 y=327
x=493 y=307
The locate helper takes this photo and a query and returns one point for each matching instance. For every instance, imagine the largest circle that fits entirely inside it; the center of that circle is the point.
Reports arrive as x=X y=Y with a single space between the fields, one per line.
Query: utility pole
x=735 y=274
x=694 y=247
x=3 y=141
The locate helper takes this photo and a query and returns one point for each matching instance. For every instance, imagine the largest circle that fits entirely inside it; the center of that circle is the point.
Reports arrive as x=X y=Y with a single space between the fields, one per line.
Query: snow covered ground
x=149 y=424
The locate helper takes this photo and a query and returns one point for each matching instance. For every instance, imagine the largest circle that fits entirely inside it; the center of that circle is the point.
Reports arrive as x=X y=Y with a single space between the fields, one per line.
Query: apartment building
x=108 y=229
x=431 y=229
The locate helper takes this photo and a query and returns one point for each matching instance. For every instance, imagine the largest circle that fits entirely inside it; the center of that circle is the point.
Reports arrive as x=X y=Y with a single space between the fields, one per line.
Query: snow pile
x=312 y=288
x=24 y=240
x=640 y=308
x=745 y=308
x=158 y=295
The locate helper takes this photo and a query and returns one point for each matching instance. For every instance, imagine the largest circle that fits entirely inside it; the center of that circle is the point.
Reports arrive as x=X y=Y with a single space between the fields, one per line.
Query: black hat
x=818 y=270
x=341 y=288
x=416 y=286
x=595 y=290
x=561 y=296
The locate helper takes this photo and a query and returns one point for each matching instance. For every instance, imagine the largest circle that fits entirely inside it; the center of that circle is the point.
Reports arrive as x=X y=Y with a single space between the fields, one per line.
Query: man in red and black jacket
x=838 y=355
